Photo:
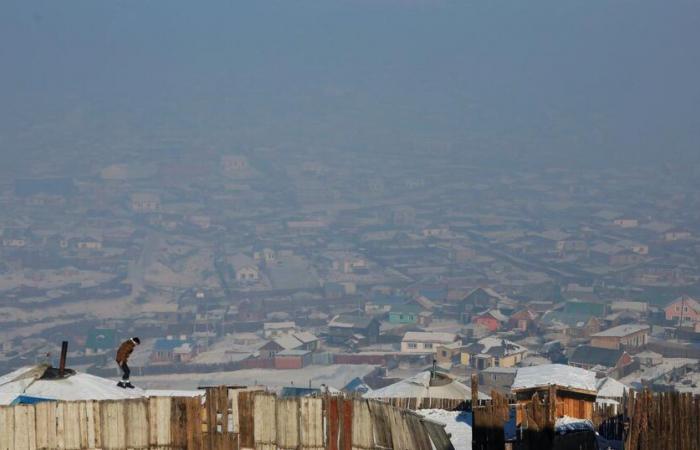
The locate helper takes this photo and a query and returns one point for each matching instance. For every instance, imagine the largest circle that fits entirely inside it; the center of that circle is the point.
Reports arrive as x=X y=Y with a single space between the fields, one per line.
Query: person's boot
x=122 y=385
x=129 y=385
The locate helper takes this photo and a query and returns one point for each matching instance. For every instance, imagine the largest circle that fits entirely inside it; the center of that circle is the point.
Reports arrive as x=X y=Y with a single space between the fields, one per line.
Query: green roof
x=585 y=308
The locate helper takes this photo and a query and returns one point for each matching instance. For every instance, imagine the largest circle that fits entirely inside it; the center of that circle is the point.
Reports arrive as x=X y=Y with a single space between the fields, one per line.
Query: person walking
x=123 y=353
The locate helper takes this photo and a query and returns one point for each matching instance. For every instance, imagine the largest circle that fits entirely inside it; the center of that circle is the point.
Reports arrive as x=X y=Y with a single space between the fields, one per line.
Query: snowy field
x=336 y=376
x=455 y=425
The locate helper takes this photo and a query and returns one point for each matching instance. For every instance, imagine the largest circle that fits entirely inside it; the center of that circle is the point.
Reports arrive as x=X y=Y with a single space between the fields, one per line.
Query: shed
x=576 y=389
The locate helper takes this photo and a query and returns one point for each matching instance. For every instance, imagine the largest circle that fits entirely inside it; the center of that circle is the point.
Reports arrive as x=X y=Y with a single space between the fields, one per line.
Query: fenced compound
x=536 y=422
x=225 y=420
x=642 y=421
x=662 y=421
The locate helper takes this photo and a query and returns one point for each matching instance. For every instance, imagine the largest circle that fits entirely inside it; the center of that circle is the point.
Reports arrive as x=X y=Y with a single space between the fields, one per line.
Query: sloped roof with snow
x=495 y=346
x=426 y=336
x=419 y=387
x=80 y=386
x=622 y=330
x=555 y=375
x=305 y=337
x=611 y=388
x=288 y=342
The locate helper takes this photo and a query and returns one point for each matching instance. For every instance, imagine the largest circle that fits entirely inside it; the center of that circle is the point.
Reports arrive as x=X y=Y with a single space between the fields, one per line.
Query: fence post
x=476 y=430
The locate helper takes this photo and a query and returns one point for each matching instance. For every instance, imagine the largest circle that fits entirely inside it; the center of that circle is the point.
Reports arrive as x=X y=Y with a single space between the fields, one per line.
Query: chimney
x=62 y=363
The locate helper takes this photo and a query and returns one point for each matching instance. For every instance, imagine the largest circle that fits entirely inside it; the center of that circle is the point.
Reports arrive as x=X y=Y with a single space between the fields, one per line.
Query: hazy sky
x=613 y=78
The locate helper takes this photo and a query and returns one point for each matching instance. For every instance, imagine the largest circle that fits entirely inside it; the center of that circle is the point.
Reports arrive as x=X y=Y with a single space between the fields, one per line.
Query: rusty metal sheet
x=246 y=423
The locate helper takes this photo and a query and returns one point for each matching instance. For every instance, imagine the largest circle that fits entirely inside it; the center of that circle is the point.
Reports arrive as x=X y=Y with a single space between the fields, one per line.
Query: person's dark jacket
x=124 y=351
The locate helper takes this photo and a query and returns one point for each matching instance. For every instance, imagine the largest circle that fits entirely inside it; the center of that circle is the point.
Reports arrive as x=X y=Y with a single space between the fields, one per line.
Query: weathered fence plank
x=287 y=419
x=381 y=424
x=137 y=424
x=362 y=438
x=45 y=414
x=311 y=430
x=25 y=428
x=112 y=424
x=265 y=422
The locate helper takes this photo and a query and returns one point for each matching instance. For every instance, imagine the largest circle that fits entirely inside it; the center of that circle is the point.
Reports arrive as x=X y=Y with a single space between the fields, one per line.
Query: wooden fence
x=225 y=420
x=642 y=421
x=537 y=419
x=661 y=421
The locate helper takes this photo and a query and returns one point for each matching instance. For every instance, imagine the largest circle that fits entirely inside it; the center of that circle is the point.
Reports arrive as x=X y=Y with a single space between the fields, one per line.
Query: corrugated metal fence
x=227 y=419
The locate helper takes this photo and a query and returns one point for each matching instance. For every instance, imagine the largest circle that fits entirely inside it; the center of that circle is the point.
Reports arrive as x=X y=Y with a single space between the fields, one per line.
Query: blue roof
x=292 y=391
x=356 y=385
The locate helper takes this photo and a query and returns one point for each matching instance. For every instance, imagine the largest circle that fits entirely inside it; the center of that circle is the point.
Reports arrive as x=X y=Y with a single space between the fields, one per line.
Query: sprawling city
x=338 y=245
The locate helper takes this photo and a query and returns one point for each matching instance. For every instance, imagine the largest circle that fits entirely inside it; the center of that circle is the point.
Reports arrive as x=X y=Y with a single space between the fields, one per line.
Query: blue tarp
x=29 y=400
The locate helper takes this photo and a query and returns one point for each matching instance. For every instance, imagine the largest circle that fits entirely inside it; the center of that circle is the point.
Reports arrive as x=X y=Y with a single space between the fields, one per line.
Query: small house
x=173 y=351
x=492 y=352
x=245 y=268
x=344 y=328
x=425 y=342
x=684 y=310
x=273 y=329
x=492 y=319
x=604 y=360
x=477 y=300
x=448 y=353
x=523 y=320
x=627 y=336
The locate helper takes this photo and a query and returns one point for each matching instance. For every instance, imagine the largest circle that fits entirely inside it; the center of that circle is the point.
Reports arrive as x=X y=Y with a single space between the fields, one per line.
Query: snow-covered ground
x=336 y=376
x=456 y=426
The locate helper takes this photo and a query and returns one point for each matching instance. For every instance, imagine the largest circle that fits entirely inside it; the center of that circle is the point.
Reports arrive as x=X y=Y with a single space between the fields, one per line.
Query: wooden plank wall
x=662 y=421
x=643 y=421
x=225 y=420
x=447 y=404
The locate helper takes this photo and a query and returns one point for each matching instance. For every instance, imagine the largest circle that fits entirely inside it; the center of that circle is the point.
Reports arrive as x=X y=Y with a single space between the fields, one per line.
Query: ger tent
x=426 y=390
x=43 y=382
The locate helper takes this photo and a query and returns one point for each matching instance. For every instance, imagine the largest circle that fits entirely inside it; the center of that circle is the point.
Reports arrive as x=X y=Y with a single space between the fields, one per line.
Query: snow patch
x=456 y=425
